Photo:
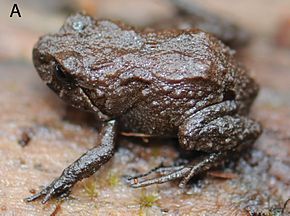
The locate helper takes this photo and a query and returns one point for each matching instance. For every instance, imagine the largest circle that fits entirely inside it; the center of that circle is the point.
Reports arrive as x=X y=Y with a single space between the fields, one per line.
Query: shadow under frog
x=166 y=83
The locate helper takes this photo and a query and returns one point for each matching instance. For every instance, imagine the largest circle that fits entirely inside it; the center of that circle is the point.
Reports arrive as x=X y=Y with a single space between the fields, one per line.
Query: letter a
x=14 y=10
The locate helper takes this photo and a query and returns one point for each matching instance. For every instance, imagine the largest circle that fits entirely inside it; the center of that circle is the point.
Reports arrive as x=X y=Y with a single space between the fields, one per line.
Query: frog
x=182 y=84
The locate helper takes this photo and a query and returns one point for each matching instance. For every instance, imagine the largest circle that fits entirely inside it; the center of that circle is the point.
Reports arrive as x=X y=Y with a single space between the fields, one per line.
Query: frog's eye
x=229 y=95
x=61 y=75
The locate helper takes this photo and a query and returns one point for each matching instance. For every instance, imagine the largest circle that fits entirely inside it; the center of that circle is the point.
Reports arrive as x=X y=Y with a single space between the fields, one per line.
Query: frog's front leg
x=84 y=167
x=217 y=130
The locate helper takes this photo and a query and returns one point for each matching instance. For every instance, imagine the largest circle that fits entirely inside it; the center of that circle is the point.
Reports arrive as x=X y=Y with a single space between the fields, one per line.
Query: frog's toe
x=47 y=192
x=48 y=196
x=179 y=173
x=35 y=196
x=162 y=170
x=58 y=188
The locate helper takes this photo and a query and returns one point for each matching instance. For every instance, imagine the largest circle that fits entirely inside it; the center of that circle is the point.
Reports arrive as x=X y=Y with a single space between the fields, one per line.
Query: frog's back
x=196 y=60
x=122 y=51
x=167 y=55
x=181 y=56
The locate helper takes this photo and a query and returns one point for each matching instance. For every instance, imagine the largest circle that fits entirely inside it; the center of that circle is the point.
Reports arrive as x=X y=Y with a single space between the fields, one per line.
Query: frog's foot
x=186 y=172
x=83 y=167
x=60 y=187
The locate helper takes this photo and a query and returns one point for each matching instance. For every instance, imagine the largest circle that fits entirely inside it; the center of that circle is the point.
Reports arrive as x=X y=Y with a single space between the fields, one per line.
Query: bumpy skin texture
x=175 y=83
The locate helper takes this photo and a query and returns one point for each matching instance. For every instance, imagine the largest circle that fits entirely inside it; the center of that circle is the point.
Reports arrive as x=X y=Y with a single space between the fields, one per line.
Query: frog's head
x=63 y=63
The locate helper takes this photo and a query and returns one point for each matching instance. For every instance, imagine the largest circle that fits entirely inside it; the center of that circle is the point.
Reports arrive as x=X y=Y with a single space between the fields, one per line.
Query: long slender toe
x=165 y=178
x=47 y=197
x=34 y=197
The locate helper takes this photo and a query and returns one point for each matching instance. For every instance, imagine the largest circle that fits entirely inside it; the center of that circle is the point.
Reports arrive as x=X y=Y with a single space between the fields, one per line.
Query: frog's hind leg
x=217 y=130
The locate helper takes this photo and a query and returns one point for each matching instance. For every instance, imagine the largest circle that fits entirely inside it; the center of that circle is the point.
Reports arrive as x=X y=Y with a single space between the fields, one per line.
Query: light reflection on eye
x=61 y=75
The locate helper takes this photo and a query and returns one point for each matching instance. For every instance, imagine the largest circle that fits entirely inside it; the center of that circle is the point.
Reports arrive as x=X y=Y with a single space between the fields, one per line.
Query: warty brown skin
x=175 y=83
